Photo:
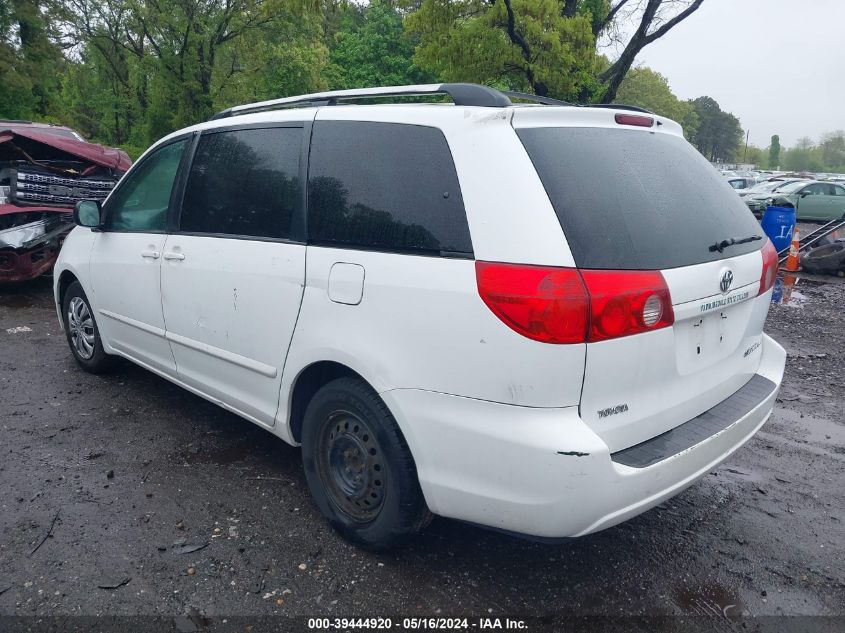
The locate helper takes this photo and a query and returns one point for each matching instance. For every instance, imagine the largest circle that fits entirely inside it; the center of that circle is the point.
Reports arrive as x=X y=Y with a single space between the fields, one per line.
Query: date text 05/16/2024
x=417 y=624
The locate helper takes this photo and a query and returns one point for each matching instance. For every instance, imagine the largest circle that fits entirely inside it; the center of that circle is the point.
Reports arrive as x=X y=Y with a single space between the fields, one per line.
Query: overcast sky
x=778 y=65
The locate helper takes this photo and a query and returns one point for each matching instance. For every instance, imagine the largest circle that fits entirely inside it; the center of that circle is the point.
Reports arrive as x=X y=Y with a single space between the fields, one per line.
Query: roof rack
x=525 y=96
x=618 y=106
x=461 y=93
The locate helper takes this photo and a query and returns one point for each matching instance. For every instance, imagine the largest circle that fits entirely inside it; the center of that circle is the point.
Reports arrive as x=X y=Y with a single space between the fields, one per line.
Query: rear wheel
x=359 y=468
x=82 y=333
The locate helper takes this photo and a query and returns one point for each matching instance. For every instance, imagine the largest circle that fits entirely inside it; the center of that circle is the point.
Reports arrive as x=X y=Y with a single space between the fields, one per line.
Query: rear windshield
x=635 y=200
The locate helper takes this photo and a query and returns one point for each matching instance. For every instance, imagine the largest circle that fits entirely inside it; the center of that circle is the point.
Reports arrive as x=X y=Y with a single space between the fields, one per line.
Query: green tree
x=805 y=156
x=145 y=68
x=719 y=133
x=371 y=48
x=527 y=45
x=755 y=156
x=774 y=152
x=543 y=46
x=649 y=89
x=31 y=63
x=833 y=151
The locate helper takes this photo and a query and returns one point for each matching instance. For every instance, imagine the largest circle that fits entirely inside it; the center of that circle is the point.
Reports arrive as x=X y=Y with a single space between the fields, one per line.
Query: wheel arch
x=66 y=278
x=307 y=382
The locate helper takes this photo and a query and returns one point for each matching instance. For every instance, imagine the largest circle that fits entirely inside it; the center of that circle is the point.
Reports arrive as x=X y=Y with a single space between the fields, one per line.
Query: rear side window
x=634 y=200
x=244 y=183
x=385 y=186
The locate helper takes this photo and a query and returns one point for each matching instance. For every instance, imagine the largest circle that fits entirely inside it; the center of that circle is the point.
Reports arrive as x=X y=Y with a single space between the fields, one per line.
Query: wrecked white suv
x=544 y=319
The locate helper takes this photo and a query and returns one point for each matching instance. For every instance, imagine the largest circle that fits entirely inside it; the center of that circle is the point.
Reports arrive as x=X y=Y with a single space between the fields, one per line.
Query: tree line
x=126 y=72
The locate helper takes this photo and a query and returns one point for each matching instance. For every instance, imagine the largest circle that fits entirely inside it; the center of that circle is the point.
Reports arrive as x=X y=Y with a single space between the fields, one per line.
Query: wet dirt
x=116 y=474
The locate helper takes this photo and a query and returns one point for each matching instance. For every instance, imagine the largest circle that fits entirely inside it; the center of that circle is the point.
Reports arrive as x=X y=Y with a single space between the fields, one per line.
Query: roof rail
x=618 y=106
x=461 y=94
x=525 y=96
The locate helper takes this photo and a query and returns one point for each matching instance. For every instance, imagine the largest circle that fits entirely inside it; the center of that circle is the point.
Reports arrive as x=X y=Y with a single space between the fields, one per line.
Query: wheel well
x=307 y=384
x=65 y=280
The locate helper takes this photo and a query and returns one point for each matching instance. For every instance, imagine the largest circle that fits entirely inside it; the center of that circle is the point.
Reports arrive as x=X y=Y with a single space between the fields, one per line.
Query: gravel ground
x=107 y=483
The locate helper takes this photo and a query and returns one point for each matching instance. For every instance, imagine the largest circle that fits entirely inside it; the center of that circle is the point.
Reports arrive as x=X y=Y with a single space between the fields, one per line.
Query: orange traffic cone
x=793 y=259
x=788 y=285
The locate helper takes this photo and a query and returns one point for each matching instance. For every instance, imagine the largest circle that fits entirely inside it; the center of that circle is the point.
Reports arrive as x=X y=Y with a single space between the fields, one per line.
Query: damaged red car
x=44 y=171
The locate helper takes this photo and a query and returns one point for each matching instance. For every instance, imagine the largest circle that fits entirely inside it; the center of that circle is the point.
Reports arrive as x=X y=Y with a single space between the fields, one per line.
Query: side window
x=817 y=189
x=838 y=191
x=140 y=202
x=244 y=182
x=385 y=186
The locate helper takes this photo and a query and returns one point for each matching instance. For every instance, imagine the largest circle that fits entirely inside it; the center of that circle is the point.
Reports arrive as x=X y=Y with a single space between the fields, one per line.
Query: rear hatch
x=638 y=197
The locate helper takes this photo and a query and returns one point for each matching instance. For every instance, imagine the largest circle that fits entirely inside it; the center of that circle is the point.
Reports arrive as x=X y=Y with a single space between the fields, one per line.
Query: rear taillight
x=564 y=305
x=544 y=304
x=625 y=302
x=770 y=267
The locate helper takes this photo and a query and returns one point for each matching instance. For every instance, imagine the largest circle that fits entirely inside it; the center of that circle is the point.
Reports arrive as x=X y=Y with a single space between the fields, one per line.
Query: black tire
x=98 y=362
x=359 y=468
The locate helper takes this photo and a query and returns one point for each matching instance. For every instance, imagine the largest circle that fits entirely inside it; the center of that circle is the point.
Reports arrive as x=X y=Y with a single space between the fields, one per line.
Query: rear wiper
x=721 y=246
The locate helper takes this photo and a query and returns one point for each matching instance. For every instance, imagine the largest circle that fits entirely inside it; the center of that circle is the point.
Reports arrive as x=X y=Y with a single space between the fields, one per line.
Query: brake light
x=634 y=119
x=564 y=305
x=770 y=267
x=544 y=304
x=626 y=302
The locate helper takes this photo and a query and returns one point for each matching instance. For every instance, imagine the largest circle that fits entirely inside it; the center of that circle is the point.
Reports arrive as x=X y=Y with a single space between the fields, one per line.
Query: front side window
x=140 y=203
x=385 y=186
x=244 y=183
x=838 y=191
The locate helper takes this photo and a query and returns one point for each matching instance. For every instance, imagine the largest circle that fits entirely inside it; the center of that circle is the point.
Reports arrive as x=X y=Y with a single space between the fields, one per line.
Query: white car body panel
x=231 y=306
x=544 y=472
x=503 y=429
x=126 y=284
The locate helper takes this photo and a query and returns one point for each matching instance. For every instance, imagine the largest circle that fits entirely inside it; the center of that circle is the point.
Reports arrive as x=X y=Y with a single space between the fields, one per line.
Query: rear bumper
x=543 y=472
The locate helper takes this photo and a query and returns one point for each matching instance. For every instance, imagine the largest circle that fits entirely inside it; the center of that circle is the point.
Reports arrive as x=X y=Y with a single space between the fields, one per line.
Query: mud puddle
x=709 y=599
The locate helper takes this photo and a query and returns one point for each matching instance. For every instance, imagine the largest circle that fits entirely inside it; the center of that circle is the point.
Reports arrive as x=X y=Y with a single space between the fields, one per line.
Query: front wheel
x=82 y=333
x=359 y=468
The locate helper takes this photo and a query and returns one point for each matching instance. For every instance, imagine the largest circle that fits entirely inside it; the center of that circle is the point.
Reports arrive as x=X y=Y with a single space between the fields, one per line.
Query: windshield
x=766 y=187
x=791 y=187
x=635 y=200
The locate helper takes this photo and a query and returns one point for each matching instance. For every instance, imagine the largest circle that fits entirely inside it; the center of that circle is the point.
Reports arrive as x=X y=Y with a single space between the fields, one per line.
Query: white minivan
x=535 y=317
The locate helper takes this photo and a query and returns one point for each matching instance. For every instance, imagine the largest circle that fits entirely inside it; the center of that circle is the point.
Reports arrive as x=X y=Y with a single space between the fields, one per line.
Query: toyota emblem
x=727 y=280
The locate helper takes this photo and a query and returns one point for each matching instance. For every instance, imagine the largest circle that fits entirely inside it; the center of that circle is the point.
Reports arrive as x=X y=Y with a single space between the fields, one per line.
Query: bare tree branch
x=641 y=38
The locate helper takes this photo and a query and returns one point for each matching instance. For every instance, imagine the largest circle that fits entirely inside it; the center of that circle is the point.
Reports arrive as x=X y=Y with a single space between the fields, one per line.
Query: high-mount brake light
x=634 y=119
x=770 y=267
x=565 y=305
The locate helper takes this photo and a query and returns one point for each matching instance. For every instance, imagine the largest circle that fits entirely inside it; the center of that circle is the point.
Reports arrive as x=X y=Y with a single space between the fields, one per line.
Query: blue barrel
x=779 y=223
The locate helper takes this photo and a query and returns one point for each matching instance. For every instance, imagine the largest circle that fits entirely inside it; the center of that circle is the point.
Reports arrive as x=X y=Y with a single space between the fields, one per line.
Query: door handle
x=176 y=256
x=150 y=254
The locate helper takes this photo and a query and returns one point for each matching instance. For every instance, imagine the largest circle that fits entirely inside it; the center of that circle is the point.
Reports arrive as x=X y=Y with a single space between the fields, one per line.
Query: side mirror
x=87 y=213
x=804 y=194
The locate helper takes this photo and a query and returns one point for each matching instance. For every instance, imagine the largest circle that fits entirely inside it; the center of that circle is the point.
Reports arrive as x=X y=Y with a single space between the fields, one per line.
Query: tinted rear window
x=385 y=186
x=628 y=199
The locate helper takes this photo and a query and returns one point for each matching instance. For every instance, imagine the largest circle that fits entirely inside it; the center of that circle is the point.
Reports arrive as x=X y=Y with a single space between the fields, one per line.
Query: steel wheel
x=349 y=463
x=81 y=327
